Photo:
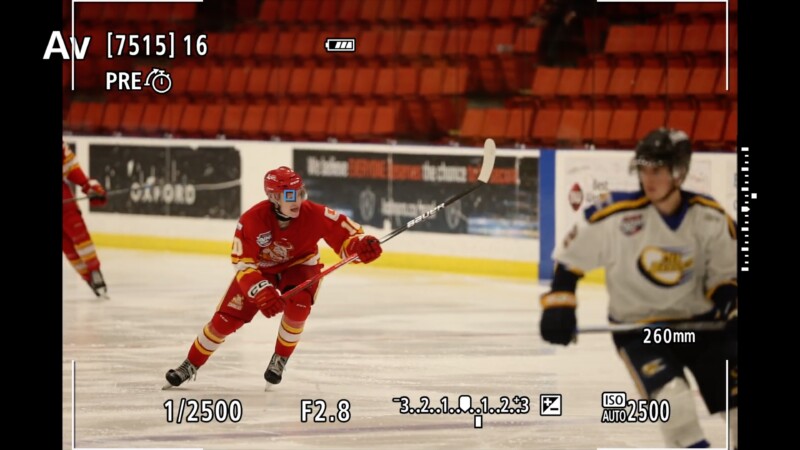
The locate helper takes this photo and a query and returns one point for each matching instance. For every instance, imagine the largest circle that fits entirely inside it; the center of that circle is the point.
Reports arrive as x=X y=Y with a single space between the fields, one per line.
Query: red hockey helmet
x=283 y=179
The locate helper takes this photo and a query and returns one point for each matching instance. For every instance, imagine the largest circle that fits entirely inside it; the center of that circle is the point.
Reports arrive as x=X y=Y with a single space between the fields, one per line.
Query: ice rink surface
x=374 y=334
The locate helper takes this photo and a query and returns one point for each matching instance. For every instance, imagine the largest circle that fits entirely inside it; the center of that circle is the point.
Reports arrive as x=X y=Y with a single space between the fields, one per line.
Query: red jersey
x=260 y=246
x=71 y=171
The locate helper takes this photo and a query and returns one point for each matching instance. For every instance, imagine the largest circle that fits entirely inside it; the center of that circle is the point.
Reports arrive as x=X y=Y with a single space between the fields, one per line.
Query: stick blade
x=488 y=160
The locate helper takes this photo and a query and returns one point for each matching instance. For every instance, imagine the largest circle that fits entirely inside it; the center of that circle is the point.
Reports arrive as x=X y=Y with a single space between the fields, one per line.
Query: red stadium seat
x=232 y=121
x=365 y=79
x=682 y=119
x=596 y=127
x=545 y=81
x=495 y=122
x=339 y=121
x=570 y=82
x=710 y=125
x=703 y=81
x=648 y=81
x=321 y=78
x=132 y=118
x=545 y=125
x=152 y=118
x=342 y=85
x=622 y=81
x=433 y=10
x=295 y=120
x=211 y=120
x=519 y=124
x=190 y=120
x=623 y=125
x=112 y=117
x=253 y=118
x=299 y=81
x=412 y=10
x=361 y=122
x=75 y=115
x=316 y=125
x=571 y=127
x=472 y=125
x=650 y=119
x=274 y=117
x=668 y=39
x=244 y=45
x=732 y=127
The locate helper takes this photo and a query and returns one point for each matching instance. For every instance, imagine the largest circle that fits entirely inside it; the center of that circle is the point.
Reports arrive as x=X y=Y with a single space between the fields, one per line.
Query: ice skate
x=176 y=377
x=274 y=372
x=98 y=284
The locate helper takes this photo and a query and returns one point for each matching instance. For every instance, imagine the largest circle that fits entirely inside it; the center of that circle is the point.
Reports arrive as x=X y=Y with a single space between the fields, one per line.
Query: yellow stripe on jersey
x=707 y=202
x=714 y=205
x=236 y=259
x=622 y=205
x=343 y=252
x=302 y=260
x=242 y=273
x=68 y=168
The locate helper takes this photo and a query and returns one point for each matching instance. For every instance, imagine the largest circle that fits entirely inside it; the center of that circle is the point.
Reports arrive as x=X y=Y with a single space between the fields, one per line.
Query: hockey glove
x=726 y=307
x=558 y=324
x=96 y=193
x=368 y=248
x=267 y=298
x=726 y=302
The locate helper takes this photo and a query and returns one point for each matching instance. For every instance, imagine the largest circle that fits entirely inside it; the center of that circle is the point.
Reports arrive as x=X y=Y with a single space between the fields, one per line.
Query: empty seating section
x=424 y=70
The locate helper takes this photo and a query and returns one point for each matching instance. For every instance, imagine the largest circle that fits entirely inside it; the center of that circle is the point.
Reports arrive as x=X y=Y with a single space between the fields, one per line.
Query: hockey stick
x=716 y=325
x=88 y=197
x=483 y=178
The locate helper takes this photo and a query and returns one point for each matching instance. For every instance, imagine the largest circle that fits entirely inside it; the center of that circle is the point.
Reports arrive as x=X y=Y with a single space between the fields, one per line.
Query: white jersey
x=656 y=268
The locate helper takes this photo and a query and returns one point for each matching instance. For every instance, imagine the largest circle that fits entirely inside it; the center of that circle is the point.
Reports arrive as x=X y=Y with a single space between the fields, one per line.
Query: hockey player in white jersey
x=669 y=255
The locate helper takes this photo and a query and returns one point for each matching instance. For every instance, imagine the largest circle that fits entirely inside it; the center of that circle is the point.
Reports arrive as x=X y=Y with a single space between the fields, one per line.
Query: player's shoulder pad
x=264 y=205
x=256 y=212
x=312 y=207
x=611 y=203
x=703 y=200
x=715 y=210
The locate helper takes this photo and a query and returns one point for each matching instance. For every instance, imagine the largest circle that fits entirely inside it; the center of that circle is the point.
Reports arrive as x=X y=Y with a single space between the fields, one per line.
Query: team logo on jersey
x=653 y=367
x=631 y=224
x=666 y=267
x=276 y=253
x=236 y=302
x=575 y=196
x=264 y=239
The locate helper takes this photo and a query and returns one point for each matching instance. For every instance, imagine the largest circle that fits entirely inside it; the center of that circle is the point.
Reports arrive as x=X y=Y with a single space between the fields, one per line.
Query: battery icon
x=340 y=45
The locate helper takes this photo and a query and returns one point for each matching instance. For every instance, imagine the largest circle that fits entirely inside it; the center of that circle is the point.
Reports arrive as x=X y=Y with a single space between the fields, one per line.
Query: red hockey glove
x=368 y=248
x=96 y=193
x=266 y=298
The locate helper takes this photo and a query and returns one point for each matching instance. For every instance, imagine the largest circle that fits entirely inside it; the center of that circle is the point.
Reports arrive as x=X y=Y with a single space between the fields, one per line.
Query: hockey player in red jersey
x=75 y=239
x=274 y=249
